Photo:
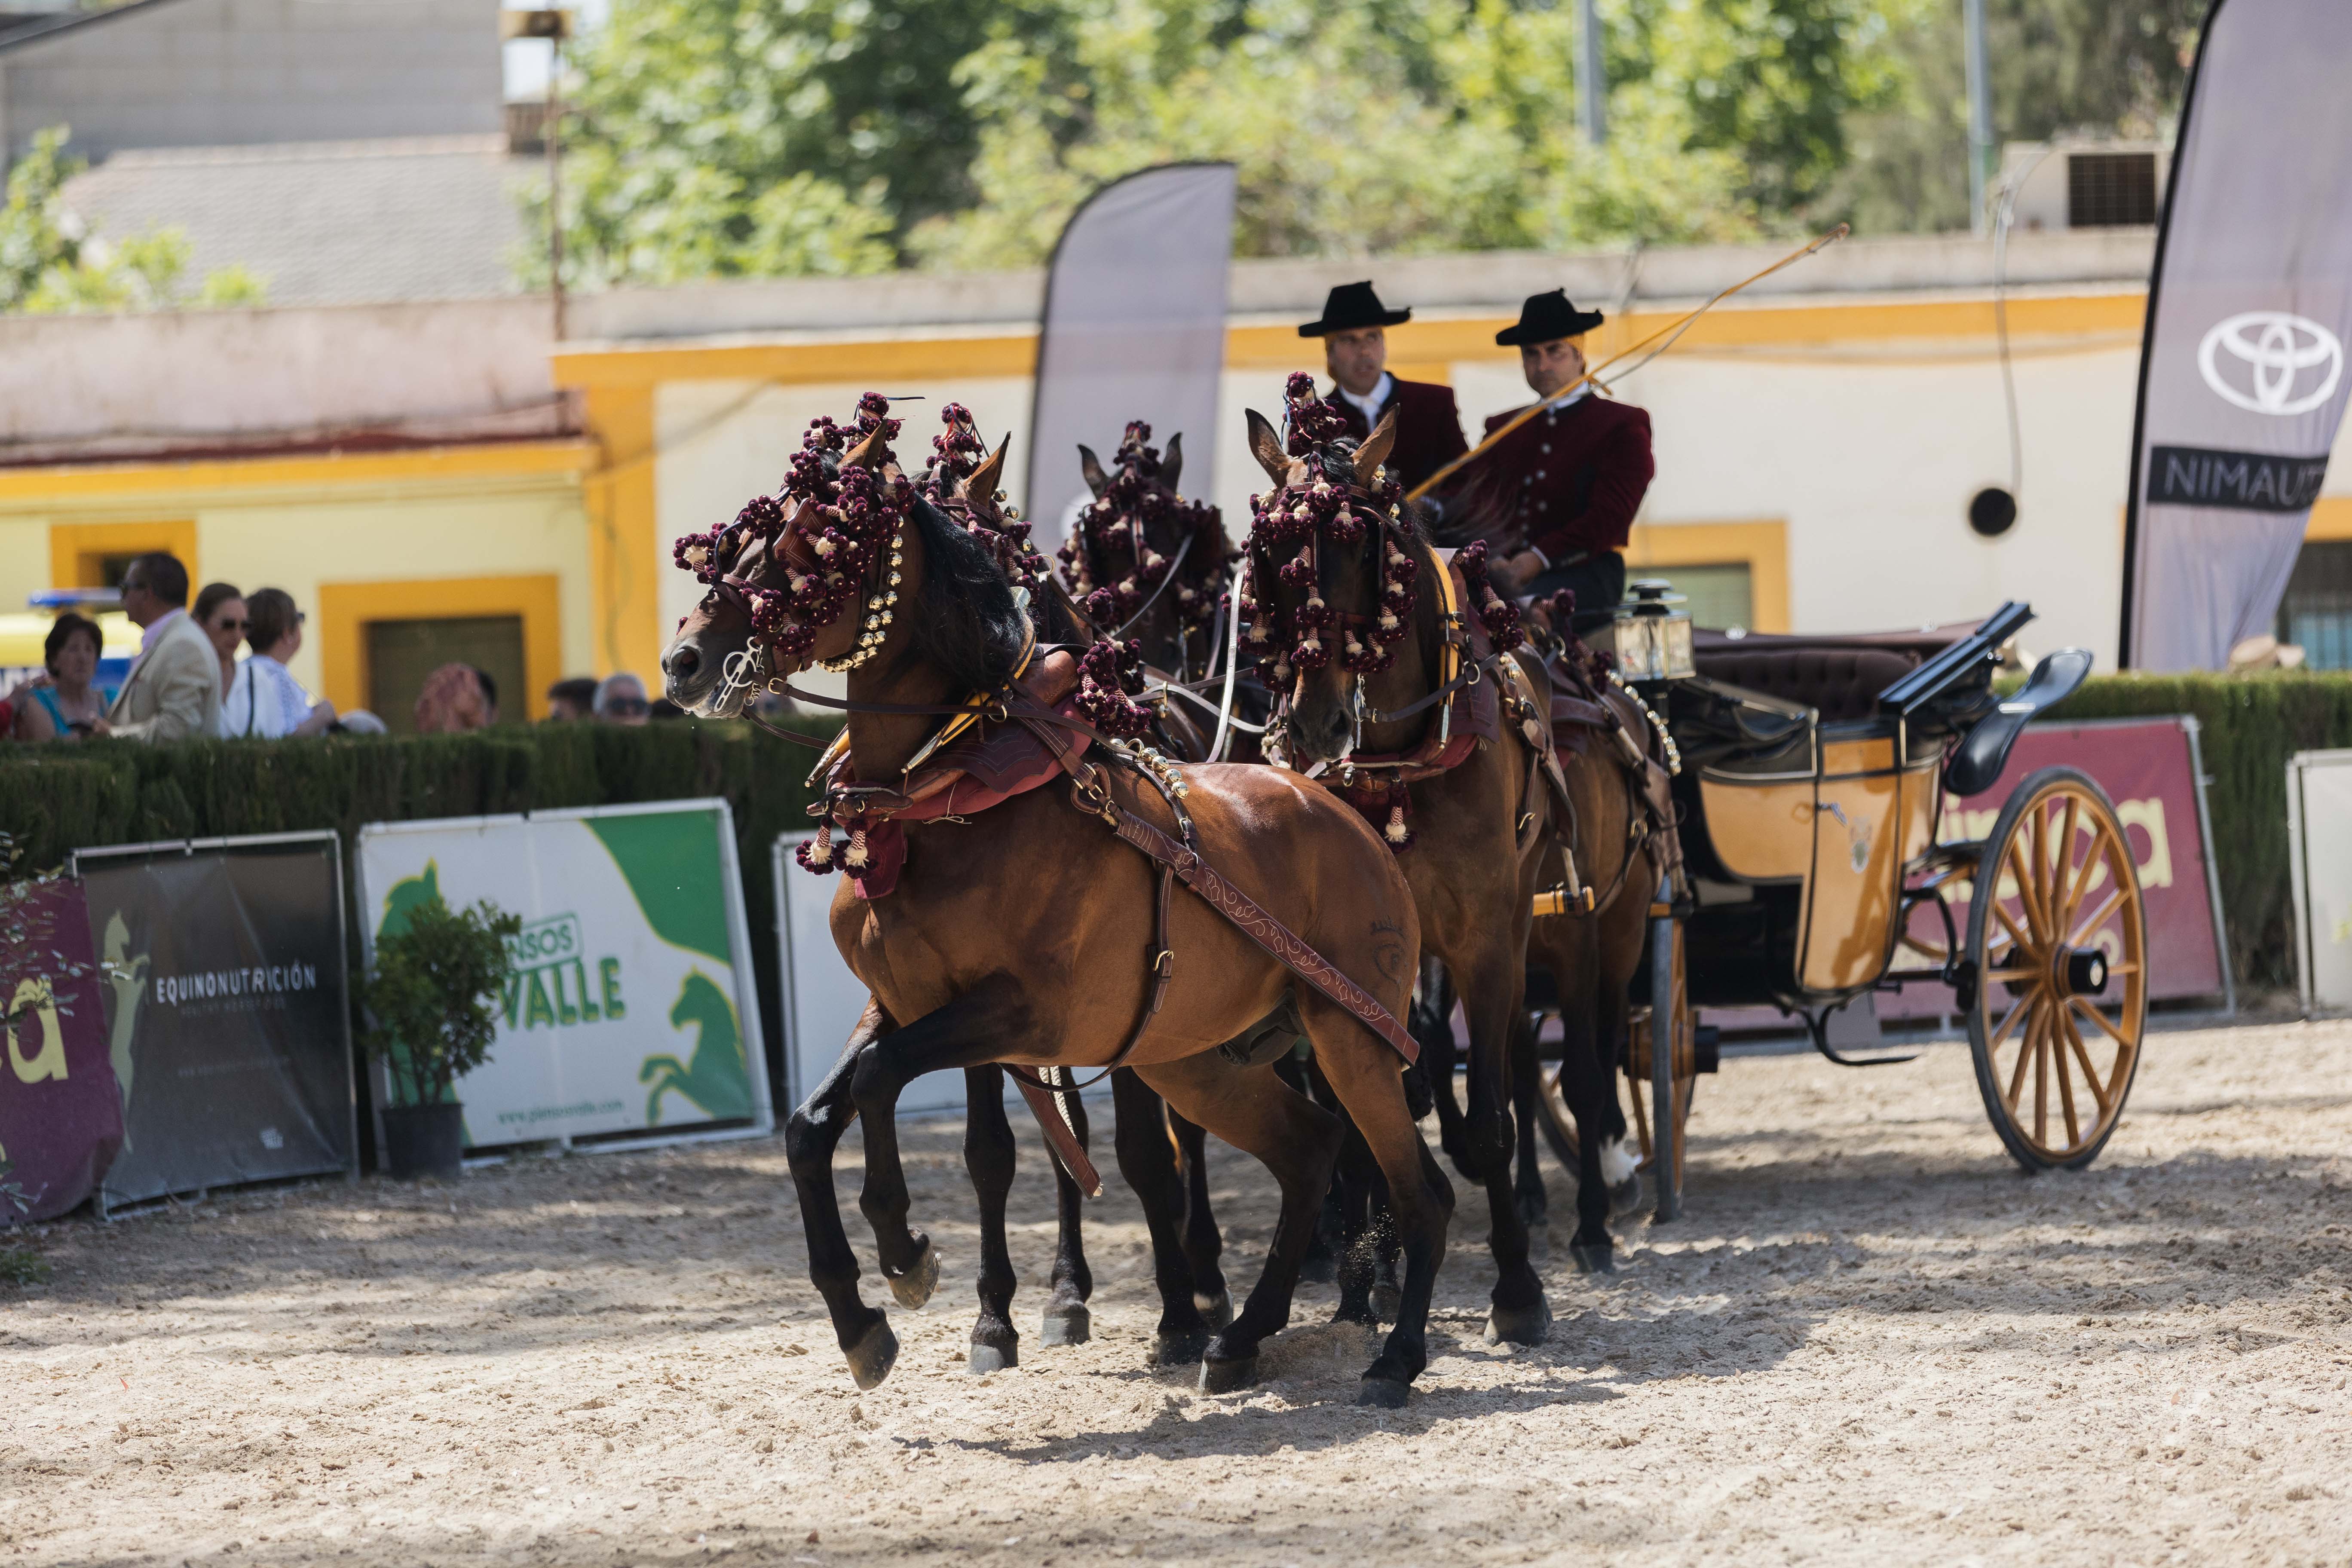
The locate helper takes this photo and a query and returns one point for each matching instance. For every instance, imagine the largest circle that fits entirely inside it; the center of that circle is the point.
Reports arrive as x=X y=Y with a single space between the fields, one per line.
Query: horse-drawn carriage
x=1814 y=773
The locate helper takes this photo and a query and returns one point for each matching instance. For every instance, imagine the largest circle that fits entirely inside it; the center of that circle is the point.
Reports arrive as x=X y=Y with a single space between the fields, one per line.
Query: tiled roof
x=328 y=223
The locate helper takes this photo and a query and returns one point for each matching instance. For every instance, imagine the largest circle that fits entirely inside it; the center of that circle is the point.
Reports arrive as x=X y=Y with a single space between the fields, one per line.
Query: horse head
x=1125 y=545
x=814 y=574
x=1334 y=564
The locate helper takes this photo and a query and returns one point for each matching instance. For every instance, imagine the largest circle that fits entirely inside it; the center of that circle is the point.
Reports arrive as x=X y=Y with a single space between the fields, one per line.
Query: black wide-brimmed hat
x=1353 y=305
x=1546 y=317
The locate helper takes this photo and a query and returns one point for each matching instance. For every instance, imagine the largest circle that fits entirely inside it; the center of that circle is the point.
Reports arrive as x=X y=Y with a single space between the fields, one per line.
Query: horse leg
x=1362 y=1073
x=1148 y=1163
x=988 y=1156
x=1621 y=1153
x=1357 y=1186
x=1067 y=1321
x=1492 y=1002
x=1535 y=1204
x=812 y=1133
x=1431 y=1024
x=975 y=1028
x=1322 y=1264
x=1587 y=1069
x=1295 y=1138
x=1203 y=1243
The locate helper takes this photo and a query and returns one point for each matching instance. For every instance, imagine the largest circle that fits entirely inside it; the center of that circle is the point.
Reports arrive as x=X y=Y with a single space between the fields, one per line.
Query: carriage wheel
x=1552 y=1114
x=1682 y=1079
x=2058 y=940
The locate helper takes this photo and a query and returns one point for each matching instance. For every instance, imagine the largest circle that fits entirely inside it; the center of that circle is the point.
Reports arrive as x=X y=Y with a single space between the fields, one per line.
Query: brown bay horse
x=1355 y=627
x=1031 y=936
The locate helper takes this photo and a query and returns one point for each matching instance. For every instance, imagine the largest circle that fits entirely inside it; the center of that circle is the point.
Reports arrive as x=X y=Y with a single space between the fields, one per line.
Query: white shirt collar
x=1369 y=405
x=154 y=630
x=1573 y=398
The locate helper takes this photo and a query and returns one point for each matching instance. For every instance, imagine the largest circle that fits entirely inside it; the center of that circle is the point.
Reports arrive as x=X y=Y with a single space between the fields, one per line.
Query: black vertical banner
x=221 y=966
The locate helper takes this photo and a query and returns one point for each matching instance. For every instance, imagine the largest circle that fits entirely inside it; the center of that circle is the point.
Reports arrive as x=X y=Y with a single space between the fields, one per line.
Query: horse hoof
x=876 y=1352
x=1320 y=1267
x=1359 y=1313
x=1625 y=1198
x=1070 y=1325
x=914 y=1286
x=986 y=1359
x=1225 y=1376
x=1383 y=1394
x=1593 y=1258
x=1179 y=1350
x=1519 y=1325
x=1387 y=1301
x=1218 y=1310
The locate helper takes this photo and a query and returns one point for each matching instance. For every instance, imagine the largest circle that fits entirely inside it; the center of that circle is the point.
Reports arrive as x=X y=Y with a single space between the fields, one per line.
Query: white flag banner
x=1134 y=329
x=2242 y=371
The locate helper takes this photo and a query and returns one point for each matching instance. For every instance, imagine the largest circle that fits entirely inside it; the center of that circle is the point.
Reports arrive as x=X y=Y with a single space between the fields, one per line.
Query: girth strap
x=1059 y=1135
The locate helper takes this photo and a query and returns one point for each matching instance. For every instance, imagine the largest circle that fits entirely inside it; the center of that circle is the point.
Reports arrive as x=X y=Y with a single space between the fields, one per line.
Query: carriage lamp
x=1649 y=636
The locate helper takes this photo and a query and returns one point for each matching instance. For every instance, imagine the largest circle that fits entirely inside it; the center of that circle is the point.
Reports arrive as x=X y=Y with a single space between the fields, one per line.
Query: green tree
x=431 y=996
x=49 y=263
x=2060 y=68
x=768 y=137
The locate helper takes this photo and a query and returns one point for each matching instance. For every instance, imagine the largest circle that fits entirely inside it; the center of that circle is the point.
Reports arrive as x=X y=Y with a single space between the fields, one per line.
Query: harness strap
x=1060 y=1136
x=1244 y=912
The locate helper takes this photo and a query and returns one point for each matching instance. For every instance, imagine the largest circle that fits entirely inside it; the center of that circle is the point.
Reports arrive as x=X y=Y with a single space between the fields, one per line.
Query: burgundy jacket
x=1429 y=427
x=1580 y=473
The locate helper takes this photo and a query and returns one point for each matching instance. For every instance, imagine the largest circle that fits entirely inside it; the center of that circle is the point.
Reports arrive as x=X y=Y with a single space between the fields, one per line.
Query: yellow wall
x=398 y=520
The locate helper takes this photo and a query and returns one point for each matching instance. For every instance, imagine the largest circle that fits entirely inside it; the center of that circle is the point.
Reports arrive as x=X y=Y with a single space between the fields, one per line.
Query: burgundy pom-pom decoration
x=1289 y=531
x=1128 y=540
x=1110 y=675
x=1499 y=615
x=845 y=520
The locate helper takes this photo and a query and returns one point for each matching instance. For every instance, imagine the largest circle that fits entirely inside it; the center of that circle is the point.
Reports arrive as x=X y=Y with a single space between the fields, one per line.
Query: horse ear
x=1173 y=465
x=1091 y=467
x=1266 y=446
x=981 y=486
x=1375 y=450
x=863 y=455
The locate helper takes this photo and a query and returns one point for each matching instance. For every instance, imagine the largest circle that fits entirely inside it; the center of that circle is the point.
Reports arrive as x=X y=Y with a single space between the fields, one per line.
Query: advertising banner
x=227 y=1017
x=60 y=1114
x=633 y=1007
x=2319 y=843
x=2241 y=368
x=2150 y=769
x=1134 y=329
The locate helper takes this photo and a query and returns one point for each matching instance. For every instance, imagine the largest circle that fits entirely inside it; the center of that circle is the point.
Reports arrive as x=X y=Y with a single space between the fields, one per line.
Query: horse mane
x=1480 y=508
x=966 y=620
x=1058 y=618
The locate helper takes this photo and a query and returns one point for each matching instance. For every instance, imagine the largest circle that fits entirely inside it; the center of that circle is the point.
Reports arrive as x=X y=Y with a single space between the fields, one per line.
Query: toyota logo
x=2269 y=361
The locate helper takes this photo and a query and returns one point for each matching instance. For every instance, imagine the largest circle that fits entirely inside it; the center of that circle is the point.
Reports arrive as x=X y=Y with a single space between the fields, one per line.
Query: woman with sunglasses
x=265 y=700
x=69 y=704
x=220 y=611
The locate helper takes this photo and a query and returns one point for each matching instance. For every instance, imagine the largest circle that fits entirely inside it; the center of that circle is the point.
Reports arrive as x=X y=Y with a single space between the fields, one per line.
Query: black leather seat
x=1844 y=683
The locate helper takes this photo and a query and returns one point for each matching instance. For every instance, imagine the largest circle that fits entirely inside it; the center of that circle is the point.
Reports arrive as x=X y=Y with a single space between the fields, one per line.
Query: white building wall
x=202 y=73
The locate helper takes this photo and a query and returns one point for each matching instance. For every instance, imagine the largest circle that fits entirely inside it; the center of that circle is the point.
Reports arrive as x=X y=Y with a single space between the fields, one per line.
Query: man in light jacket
x=173 y=689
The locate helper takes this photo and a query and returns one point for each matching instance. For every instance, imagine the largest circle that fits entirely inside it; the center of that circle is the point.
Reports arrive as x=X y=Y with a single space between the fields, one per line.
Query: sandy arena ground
x=1871 y=1340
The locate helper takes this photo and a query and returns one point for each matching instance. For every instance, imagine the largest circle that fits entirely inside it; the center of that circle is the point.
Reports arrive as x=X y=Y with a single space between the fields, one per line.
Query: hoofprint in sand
x=1870 y=1340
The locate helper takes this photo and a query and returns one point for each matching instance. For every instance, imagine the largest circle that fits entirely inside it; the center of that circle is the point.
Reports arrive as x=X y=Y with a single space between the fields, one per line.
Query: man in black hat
x=1355 y=353
x=1577 y=471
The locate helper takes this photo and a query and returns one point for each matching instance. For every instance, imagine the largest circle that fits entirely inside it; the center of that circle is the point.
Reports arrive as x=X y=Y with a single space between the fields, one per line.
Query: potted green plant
x=431 y=1018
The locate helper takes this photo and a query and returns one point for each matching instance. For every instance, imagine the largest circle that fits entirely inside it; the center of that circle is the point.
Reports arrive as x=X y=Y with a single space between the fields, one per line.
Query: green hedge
x=56 y=798
x=2250 y=726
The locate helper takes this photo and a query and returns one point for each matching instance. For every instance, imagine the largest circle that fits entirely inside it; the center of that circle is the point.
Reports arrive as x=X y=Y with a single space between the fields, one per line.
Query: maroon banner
x=2148 y=769
x=61 y=1113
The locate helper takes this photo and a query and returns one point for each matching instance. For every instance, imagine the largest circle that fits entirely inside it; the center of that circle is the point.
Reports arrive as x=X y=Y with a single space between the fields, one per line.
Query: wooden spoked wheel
x=1681 y=1035
x=2058 y=939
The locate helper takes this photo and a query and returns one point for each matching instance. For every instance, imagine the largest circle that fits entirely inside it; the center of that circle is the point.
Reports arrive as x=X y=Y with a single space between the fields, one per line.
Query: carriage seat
x=1842 y=682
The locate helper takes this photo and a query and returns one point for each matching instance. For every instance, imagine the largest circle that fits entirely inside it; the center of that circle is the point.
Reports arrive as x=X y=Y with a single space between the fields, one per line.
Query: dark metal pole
x=554 y=140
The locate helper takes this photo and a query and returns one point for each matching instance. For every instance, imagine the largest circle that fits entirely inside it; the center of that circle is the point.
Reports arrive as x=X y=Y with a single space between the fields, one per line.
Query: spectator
x=621 y=700
x=573 y=699
x=65 y=706
x=173 y=689
x=220 y=610
x=266 y=700
x=490 y=693
x=454 y=700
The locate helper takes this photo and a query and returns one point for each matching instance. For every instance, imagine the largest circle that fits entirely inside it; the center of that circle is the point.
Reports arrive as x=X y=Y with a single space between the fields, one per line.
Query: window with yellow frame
x=94 y=554
x=349 y=612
